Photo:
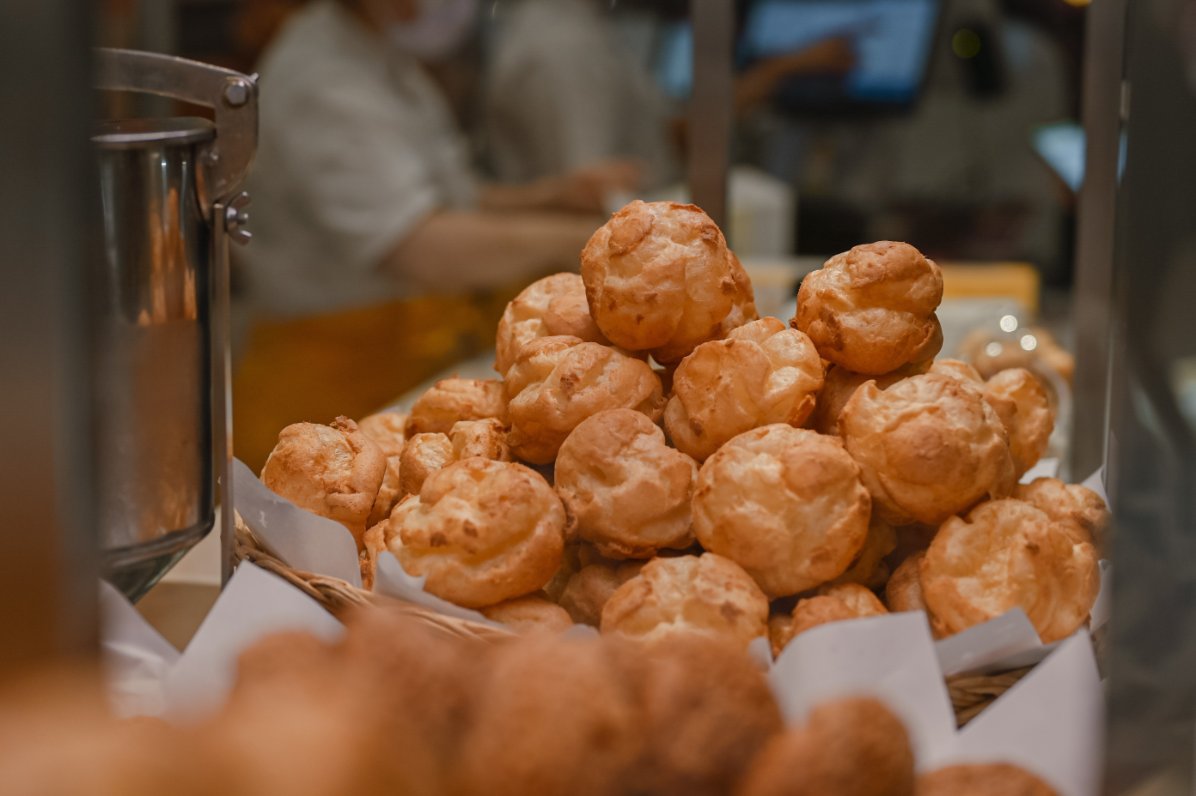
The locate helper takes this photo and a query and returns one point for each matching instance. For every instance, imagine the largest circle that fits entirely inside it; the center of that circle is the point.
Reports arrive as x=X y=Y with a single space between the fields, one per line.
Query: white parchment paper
x=136 y=659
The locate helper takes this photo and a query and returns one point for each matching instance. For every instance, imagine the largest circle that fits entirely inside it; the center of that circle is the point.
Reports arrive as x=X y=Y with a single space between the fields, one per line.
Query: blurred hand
x=590 y=189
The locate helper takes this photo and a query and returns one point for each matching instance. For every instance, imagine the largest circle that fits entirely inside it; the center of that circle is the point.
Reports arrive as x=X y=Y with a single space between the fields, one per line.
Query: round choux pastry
x=1006 y=554
x=1022 y=403
x=957 y=368
x=762 y=373
x=555 y=717
x=554 y=305
x=423 y=455
x=849 y=747
x=589 y=588
x=708 y=595
x=532 y=613
x=486 y=438
x=450 y=400
x=871 y=309
x=1078 y=506
x=481 y=531
x=557 y=382
x=335 y=471
x=624 y=489
x=786 y=504
x=706 y=709
x=929 y=447
x=982 y=779
x=869 y=568
x=659 y=278
x=831 y=604
x=903 y=592
x=387 y=430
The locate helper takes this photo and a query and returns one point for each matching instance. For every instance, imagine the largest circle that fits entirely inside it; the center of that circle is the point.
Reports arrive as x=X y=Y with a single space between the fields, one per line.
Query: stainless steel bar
x=712 y=105
x=222 y=389
x=48 y=563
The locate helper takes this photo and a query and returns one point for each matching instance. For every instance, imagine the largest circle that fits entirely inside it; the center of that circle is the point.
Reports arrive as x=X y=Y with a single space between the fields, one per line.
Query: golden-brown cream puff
x=557 y=382
x=659 y=278
x=869 y=568
x=1021 y=401
x=554 y=305
x=532 y=613
x=481 y=531
x=831 y=604
x=982 y=779
x=450 y=400
x=929 y=447
x=706 y=594
x=1006 y=554
x=335 y=471
x=784 y=503
x=589 y=588
x=423 y=455
x=762 y=373
x=871 y=309
x=624 y=489
x=1080 y=507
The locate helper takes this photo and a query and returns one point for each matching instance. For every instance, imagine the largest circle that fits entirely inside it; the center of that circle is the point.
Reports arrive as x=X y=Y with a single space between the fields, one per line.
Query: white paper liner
x=890 y=657
x=302 y=540
x=392 y=580
x=1045 y=468
x=136 y=659
x=253 y=604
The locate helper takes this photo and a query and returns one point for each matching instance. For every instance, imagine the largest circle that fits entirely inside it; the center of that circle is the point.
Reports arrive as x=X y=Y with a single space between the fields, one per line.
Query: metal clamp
x=233 y=96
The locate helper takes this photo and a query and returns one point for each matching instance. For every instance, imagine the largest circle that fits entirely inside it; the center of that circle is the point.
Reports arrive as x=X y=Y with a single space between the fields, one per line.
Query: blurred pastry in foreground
x=928 y=447
x=554 y=305
x=481 y=531
x=849 y=747
x=659 y=278
x=555 y=718
x=982 y=779
x=1077 y=506
x=871 y=309
x=1006 y=554
x=557 y=382
x=588 y=589
x=624 y=489
x=708 y=595
x=990 y=352
x=1021 y=401
x=335 y=471
x=786 y=504
x=869 y=568
x=762 y=373
x=831 y=604
x=450 y=400
x=532 y=613
x=707 y=710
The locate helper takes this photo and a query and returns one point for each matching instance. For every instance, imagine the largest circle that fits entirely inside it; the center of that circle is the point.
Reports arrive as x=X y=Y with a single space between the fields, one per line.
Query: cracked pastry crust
x=1006 y=554
x=1022 y=403
x=1084 y=512
x=424 y=454
x=660 y=278
x=831 y=604
x=762 y=373
x=705 y=594
x=871 y=309
x=869 y=568
x=557 y=382
x=929 y=447
x=624 y=489
x=784 y=503
x=387 y=430
x=451 y=400
x=481 y=531
x=335 y=471
x=554 y=305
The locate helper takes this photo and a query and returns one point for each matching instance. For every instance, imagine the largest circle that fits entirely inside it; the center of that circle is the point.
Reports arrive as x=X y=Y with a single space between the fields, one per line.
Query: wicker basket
x=970 y=694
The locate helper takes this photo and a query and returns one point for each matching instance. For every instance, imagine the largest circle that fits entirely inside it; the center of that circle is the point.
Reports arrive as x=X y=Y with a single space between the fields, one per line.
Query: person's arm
x=584 y=190
x=469 y=249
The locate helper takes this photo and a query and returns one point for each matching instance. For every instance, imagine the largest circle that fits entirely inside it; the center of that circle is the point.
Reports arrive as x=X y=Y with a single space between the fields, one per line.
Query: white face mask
x=438 y=30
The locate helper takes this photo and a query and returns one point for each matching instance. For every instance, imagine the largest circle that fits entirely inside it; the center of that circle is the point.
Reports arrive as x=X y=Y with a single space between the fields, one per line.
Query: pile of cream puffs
x=656 y=460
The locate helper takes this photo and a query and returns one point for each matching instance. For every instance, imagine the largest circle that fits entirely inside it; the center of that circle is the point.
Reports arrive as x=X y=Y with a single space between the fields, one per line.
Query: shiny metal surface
x=151 y=349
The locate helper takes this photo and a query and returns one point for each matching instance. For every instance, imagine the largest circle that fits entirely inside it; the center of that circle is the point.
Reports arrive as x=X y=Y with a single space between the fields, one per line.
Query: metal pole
x=48 y=562
x=711 y=107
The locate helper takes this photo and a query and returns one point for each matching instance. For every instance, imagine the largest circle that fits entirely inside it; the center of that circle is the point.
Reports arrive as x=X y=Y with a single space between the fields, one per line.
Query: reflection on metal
x=1094 y=245
x=711 y=107
x=1152 y=446
x=47 y=517
x=171 y=203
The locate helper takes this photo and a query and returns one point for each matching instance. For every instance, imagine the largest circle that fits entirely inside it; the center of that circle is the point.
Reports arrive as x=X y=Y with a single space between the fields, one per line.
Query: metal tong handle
x=233 y=96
